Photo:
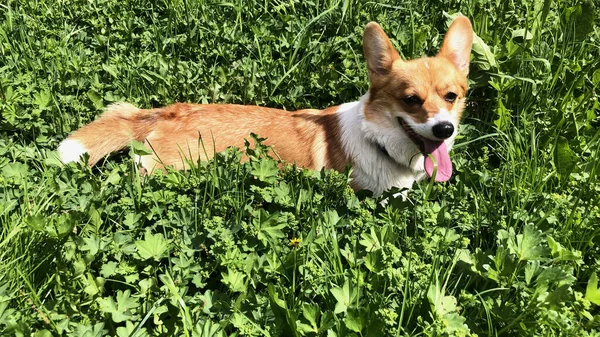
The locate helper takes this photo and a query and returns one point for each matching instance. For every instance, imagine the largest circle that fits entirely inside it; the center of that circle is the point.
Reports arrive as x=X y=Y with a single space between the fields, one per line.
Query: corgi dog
x=399 y=132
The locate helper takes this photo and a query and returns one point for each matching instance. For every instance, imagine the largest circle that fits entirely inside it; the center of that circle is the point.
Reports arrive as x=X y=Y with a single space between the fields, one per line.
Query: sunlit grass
x=508 y=247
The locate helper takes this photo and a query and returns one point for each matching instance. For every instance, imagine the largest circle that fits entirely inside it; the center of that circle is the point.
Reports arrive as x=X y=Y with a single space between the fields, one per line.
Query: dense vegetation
x=510 y=246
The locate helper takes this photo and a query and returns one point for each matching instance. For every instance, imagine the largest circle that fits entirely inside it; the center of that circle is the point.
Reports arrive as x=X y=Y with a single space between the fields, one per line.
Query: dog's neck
x=372 y=161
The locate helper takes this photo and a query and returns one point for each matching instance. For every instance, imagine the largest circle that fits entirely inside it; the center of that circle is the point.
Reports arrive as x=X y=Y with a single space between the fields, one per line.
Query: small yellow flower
x=295 y=242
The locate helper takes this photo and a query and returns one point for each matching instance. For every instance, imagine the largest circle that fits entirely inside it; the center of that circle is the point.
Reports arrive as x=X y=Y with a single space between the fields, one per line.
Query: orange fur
x=418 y=78
x=309 y=138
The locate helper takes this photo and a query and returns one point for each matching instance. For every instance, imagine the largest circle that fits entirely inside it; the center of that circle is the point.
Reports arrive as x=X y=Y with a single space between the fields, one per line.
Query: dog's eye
x=450 y=97
x=412 y=100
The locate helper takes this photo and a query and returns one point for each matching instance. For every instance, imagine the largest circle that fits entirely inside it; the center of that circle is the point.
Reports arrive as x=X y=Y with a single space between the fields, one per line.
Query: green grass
x=508 y=247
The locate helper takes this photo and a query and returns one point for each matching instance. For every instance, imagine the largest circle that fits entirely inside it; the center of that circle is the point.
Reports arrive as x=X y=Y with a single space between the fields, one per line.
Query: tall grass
x=508 y=247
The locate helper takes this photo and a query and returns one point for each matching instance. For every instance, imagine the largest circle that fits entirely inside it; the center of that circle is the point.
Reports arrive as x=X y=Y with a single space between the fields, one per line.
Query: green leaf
x=42 y=333
x=354 y=321
x=121 y=310
x=440 y=304
x=282 y=194
x=207 y=297
x=61 y=227
x=451 y=17
x=111 y=69
x=370 y=240
x=93 y=286
x=328 y=320
x=139 y=148
x=131 y=219
x=107 y=305
x=305 y=328
x=125 y=301
x=114 y=178
x=5 y=311
x=285 y=318
x=555 y=275
x=453 y=323
x=331 y=218
x=53 y=159
x=146 y=285
x=108 y=269
x=531 y=268
x=523 y=34
x=199 y=281
x=129 y=329
x=449 y=235
x=564 y=157
x=234 y=279
x=464 y=256
x=559 y=253
x=265 y=169
x=35 y=222
x=208 y=329
x=92 y=244
x=311 y=313
x=343 y=296
x=596 y=77
x=592 y=293
x=502 y=122
x=374 y=261
x=528 y=246
x=42 y=99
x=583 y=16
x=96 y=99
x=87 y=330
x=268 y=226
x=16 y=170
x=484 y=57
x=154 y=246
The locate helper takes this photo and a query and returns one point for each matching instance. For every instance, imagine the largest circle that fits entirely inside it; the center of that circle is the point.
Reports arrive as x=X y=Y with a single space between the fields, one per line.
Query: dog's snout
x=443 y=130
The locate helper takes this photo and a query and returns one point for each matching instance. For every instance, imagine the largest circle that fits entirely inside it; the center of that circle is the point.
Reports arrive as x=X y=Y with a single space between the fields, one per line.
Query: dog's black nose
x=443 y=130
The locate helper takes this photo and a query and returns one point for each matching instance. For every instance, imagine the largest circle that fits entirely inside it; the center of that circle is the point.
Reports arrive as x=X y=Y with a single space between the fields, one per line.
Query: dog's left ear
x=457 y=44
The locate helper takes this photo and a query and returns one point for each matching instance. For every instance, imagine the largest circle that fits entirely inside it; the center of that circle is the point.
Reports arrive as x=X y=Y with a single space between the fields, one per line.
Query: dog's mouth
x=412 y=134
x=431 y=149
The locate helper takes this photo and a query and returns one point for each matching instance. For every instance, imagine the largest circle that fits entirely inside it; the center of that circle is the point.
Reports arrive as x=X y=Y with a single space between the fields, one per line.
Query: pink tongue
x=444 y=166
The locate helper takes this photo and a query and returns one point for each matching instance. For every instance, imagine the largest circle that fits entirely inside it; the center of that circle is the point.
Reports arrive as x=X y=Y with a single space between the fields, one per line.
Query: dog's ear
x=457 y=44
x=379 y=51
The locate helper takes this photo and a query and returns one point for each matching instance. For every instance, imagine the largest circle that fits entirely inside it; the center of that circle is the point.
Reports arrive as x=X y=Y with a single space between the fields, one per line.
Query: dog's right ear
x=379 y=51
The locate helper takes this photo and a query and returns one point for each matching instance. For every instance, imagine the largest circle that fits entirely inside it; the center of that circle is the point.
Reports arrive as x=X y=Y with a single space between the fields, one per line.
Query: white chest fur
x=372 y=168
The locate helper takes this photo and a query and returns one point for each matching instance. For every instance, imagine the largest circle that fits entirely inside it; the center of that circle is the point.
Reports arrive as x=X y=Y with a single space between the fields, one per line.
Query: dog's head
x=415 y=106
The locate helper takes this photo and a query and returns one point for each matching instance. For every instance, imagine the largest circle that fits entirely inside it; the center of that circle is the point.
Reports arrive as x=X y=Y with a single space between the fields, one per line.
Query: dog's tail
x=115 y=129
